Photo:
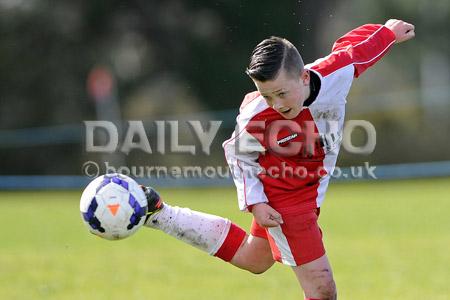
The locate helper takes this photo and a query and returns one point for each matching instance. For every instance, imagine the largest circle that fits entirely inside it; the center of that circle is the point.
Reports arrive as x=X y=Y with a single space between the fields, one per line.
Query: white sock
x=203 y=231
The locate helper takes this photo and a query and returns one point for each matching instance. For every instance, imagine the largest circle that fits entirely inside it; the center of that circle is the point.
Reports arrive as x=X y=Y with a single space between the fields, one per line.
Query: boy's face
x=285 y=93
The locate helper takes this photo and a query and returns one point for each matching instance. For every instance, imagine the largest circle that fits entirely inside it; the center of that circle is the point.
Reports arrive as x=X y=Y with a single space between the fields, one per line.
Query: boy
x=281 y=155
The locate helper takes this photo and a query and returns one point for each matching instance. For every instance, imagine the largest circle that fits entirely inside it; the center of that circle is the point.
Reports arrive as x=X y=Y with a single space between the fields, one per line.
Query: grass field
x=386 y=240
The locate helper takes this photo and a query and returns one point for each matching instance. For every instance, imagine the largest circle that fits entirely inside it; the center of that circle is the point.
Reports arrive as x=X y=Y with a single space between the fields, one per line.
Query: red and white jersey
x=275 y=160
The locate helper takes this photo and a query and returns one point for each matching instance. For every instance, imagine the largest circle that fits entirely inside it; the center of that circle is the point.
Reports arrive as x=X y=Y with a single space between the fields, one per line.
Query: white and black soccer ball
x=113 y=206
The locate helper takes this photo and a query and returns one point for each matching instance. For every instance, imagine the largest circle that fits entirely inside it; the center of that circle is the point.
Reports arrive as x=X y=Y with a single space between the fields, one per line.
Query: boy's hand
x=266 y=216
x=403 y=31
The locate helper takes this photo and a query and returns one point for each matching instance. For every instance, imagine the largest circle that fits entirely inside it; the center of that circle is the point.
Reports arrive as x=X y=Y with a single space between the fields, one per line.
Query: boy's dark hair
x=270 y=56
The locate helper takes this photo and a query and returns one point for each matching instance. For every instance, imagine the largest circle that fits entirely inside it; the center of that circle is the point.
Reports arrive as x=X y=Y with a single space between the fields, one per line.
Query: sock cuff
x=232 y=242
x=150 y=222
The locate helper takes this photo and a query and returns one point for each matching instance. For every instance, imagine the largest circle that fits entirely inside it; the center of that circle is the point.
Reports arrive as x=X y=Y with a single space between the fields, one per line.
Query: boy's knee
x=260 y=268
x=327 y=290
x=325 y=285
x=253 y=255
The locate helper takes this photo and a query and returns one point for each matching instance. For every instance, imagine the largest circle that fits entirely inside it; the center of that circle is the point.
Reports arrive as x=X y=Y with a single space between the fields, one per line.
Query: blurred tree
x=183 y=56
x=48 y=48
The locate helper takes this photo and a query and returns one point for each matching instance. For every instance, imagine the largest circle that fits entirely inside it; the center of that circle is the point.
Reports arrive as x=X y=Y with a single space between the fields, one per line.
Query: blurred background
x=64 y=62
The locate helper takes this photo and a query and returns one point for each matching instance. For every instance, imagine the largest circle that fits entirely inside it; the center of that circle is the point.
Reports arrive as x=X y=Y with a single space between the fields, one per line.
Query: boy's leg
x=254 y=255
x=212 y=234
x=316 y=279
x=298 y=243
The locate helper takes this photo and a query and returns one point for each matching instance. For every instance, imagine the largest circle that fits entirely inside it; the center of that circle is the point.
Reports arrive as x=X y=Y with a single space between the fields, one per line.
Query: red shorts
x=297 y=241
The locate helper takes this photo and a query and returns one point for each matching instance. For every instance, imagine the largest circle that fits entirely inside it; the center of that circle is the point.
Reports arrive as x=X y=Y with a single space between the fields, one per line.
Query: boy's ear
x=304 y=77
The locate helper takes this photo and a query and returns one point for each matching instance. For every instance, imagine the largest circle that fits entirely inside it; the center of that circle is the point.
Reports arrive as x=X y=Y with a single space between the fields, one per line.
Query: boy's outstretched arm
x=365 y=45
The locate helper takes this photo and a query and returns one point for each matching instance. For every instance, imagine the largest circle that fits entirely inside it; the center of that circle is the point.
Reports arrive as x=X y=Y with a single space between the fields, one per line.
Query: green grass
x=386 y=240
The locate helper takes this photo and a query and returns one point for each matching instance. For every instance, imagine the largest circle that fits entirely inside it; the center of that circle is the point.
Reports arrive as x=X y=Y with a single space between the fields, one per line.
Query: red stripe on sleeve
x=362 y=47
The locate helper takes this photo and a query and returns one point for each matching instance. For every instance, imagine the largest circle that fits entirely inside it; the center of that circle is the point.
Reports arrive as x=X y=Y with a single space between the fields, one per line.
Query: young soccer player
x=281 y=155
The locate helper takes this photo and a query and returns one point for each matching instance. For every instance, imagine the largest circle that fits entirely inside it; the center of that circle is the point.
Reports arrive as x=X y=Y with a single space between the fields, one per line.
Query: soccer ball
x=113 y=206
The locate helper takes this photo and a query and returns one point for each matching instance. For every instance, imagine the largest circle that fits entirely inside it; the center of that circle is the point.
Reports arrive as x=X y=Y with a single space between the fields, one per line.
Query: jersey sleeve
x=241 y=152
x=364 y=46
